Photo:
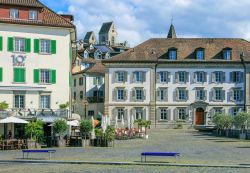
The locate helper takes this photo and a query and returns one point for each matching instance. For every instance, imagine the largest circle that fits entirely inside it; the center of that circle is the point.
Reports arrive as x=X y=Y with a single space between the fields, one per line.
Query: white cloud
x=138 y=20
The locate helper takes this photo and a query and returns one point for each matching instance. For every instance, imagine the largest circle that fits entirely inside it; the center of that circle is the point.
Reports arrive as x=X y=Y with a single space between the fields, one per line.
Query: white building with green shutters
x=36 y=56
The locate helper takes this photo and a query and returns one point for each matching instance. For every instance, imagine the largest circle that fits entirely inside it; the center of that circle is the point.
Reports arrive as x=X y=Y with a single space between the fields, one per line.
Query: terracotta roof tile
x=26 y=3
x=154 y=50
x=96 y=68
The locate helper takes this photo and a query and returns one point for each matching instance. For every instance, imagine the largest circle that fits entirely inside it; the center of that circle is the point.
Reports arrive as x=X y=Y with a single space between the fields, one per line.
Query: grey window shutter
x=212 y=112
x=223 y=94
x=231 y=76
x=205 y=76
x=159 y=113
x=187 y=94
x=169 y=115
x=196 y=94
x=212 y=95
x=176 y=77
x=231 y=95
x=144 y=114
x=176 y=94
x=133 y=94
x=194 y=77
x=125 y=94
x=125 y=115
x=223 y=77
x=116 y=77
x=186 y=77
x=158 y=96
x=186 y=113
x=205 y=94
x=176 y=112
x=114 y=95
x=114 y=112
x=144 y=94
x=241 y=95
x=213 y=77
x=125 y=76
x=241 y=77
x=165 y=94
x=134 y=77
x=143 y=76
x=158 y=77
x=168 y=76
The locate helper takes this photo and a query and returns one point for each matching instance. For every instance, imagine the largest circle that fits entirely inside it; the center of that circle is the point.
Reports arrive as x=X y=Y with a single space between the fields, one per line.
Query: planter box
x=61 y=143
x=85 y=142
x=243 y=136
x=101 y=142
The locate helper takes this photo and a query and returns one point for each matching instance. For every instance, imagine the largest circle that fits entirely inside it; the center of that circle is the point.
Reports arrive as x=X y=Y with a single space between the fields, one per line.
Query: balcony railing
x=33 y=113
x=95 y=99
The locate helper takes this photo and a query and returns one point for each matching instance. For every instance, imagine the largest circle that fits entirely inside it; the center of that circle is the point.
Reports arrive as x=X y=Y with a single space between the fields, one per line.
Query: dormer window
x=33 y=15
x=14 y=13
x=227 y=54
x=172 y=54
x=200 y=54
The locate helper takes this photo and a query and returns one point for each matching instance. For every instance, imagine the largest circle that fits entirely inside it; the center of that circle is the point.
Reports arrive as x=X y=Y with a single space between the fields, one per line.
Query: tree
x=242 y=121
x=64 y=106
x=35 y=130
x=60 y=126
x=110 y=133
x=3 y=106
x=85 y=128
x=223 y=121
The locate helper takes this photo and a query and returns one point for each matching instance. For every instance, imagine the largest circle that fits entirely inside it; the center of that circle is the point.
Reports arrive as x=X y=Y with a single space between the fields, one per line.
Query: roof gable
x=105 y=27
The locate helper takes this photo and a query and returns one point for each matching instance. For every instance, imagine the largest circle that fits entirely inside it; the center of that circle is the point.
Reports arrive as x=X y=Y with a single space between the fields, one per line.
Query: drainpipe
x=242 y=55
x=155 y=91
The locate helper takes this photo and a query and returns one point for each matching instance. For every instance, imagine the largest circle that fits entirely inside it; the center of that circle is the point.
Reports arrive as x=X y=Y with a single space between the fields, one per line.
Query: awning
x=73 y=123
x=21 y=88
x=48 y=119
x=13 y=120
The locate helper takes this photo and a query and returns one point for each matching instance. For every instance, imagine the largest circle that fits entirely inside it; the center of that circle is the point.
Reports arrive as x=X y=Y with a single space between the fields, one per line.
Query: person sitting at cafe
x=10 y=135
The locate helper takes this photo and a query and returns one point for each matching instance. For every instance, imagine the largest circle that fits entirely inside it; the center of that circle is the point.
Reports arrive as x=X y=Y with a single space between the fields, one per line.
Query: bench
x=38 y=151
x=166 y=154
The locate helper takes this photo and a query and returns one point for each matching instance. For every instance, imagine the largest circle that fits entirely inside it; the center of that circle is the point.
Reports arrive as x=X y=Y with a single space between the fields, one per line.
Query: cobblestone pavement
x=195 y=148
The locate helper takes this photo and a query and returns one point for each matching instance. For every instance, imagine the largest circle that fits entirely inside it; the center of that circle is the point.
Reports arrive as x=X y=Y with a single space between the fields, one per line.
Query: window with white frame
x=138 y=76
x=218 y=110
x=219 y=77
x=120 y=113
x=163 y=113
x=19 y=44
x=227 y=54
x=14 y=13
x=200 y=54
x=45 y=76
x=81 y=81
x=33 y=15
x=45 y=101
x=182 y=114
x=162 y=94
x=200 y=76
x=45 y=46
x=163 y=76
x=182 y=94
x=120 y=94
x=218 y=94
x=237 y=94
x=139 y=94
x=200 y=94
x=138 y=113
x=120 y=76
x=236 y=77
x=172 y=54
x=235 y=110
x=182 y=76
x=19 y=101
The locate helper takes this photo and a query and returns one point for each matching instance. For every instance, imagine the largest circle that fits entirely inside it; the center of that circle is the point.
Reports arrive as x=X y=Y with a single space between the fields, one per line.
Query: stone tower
x=108 y=34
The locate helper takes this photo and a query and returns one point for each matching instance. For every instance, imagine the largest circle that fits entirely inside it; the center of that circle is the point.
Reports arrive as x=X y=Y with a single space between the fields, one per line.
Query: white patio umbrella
x=104 y=124
x=73 y=123
x=132 y=121
x=13 y=120
x=93 y=130
x=129 y=123
x=108 y=120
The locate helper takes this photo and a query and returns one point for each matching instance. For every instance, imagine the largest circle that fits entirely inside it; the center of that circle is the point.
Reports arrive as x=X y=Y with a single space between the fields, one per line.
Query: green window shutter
x=10 y=44
x=27 y=45
x=36 y=46
x=36 y=75
x=53 y=76
x=53 y=46
x=1 y=74
x=19 y=75
x=1 y=43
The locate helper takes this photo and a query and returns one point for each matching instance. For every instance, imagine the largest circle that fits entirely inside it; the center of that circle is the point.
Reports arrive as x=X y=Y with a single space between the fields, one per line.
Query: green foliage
x=64 y=106
x=35 y=130
x=242 y=120
x=86 y=127
x=4 y=105
x=143 y=123
x=60 y=126
x=110 y=133
x=98 y=132
x=223 y=121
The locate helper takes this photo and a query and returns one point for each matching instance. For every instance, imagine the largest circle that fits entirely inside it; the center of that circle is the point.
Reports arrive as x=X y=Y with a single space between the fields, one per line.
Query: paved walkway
x=195 y=148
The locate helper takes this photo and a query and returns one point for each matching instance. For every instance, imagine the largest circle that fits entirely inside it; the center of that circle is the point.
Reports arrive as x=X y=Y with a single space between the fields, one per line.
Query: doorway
x=200 y=116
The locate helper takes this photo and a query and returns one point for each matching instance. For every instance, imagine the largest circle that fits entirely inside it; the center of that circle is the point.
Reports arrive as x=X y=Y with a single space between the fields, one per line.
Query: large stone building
x=108 y=34
x=185 y=79
x=36 y=58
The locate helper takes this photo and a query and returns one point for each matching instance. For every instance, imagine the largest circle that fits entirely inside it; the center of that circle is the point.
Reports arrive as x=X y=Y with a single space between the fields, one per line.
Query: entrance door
x=199 y=117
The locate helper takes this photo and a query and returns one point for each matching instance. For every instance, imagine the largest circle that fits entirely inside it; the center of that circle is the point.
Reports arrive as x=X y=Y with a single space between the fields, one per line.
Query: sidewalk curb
x=122 y=163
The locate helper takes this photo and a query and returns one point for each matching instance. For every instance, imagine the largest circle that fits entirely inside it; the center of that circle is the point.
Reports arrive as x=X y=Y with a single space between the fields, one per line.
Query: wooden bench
x=38 y=151
x=163 y=154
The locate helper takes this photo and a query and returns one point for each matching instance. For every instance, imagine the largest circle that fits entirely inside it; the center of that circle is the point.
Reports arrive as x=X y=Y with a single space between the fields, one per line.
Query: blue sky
x=139 y=20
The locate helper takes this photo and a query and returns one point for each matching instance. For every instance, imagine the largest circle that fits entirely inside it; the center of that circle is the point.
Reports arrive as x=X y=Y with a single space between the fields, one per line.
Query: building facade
x=36 y=51
x=174 y=79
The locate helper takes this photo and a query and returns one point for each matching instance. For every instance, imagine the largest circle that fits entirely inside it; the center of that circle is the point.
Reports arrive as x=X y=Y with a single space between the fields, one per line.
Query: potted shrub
x=3 y=106
x=85 y=129
x=223 y=122
x=34 y=131
x=64 y=106
x=99 y=136
x=110 y=136
x=59 y=127
x=242 y=121
x=146 y=124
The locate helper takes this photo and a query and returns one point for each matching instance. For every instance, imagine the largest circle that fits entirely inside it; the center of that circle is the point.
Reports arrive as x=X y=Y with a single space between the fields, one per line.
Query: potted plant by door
x=110 y=136
x=85 y=128
x=59 y=127
x=34 y=132
x=242 y=121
